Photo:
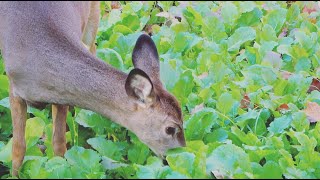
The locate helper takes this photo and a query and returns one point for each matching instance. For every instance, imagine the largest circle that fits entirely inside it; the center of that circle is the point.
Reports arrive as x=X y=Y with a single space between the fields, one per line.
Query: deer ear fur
x=139 y=86
x=145 y=57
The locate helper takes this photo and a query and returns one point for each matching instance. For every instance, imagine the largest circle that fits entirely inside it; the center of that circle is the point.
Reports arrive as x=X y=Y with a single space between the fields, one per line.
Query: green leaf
x=84 y=163
x=110 y=164
x=280 y=124
x=272 y=59
x=105 y=147
x=218 y=135
x=300 y=121
x=176 y=175
x=193 y=18
x=199 y=149
x=247 y=6
x=5 y=102
x=229 y=13
x=294 y=173
x=249 y=18
x=58 y=167
x=180 y=42
x=182 y=163
x=214 y=29
x=200 y=124
x=91 y=119
x=34 y=130
x=169 y=74
x=33 y=168
x=240 y=36
x=270 y=170
x=138 y=153
x=229 y=161
x=267 y=34
x=225 y=103
x=132 y=22
x=276 y=19
x=184 y=86
x=153 y=170
x=249 y=138
x=6 y=152
x=303 y=64
x=4 y=81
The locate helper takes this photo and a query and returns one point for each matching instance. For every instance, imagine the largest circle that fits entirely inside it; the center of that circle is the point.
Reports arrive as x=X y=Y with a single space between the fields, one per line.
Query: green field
x=245 y=73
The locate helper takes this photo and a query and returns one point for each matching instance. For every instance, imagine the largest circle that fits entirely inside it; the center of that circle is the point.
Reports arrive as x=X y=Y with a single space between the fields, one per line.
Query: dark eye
x=170 y=130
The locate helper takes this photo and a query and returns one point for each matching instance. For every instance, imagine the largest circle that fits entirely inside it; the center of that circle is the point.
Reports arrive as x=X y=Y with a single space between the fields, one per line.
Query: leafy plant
x=247 y=77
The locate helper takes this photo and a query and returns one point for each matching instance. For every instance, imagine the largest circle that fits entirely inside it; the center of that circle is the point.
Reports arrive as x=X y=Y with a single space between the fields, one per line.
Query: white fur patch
x=141 y=86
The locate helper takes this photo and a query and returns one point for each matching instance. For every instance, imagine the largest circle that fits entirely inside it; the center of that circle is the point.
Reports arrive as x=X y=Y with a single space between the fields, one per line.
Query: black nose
x=165 y=162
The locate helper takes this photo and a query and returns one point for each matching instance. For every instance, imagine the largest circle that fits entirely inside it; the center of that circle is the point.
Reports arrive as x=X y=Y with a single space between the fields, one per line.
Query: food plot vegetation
x=245 y=73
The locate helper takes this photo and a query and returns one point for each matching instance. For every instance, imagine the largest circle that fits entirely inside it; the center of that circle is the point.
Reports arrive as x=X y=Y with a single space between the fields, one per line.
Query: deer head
x=157 y=115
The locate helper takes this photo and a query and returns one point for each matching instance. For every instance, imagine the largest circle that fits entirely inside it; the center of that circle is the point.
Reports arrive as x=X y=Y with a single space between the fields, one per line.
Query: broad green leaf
x=132 y=22
x=58 y=167
x=153 y=169
x=249 y=18
x=182 y=163
x=249 y=138
x=225 y=103
x=84 y=163
x=5 y=102
x=4 y=83
x=6 y=152
x=110 y=164
x=276 y=19
x=247 y=6
x=214 y=29
x=34 y=130
x=169 y=74
x=119 y=28
x=229 y=161
x=300 y=121
x=303 y=64
x=270 y=170
x=184 y=86
x=199 y=149
x=200 y=124
x=240 y=36
x=193 y=18
x=180 y=42
x=229 y=13
x=33 y=168
x=280 y=124
x=294 y=173
x=220 y=135
x=272 y=59
x=91 y=119
x=105 y=147
x=138 y=153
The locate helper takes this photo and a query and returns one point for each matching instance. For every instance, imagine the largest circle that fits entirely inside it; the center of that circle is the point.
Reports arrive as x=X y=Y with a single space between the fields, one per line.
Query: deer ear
x=139 y=86
x=145 y=57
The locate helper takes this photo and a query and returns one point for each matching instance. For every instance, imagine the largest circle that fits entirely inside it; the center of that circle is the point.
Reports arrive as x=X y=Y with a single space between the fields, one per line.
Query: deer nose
x=183 y=143
x=164 y=161
x=181 y=139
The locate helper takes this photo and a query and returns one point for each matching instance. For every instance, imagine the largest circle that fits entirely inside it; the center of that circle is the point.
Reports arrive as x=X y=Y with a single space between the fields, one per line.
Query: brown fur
x=59 y=116
x=19 y=117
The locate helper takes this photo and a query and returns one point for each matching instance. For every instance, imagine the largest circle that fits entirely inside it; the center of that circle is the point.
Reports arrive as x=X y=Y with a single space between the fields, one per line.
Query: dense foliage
x=243 y=72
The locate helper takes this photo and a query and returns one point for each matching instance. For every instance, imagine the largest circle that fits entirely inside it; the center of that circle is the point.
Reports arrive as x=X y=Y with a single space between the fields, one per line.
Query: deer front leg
x=59 y=116
x=19 y=117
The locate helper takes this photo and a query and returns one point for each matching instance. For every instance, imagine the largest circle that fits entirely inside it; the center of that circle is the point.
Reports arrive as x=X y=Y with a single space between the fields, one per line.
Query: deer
x=49 y=55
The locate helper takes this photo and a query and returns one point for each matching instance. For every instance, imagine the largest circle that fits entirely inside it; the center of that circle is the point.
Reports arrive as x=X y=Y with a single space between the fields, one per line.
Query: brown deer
x=48 y=52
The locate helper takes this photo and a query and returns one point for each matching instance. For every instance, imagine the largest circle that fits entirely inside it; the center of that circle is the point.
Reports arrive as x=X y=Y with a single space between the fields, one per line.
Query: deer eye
x=170 y=130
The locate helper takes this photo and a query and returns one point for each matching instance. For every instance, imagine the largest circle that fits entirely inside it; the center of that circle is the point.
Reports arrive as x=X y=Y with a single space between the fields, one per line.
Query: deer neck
x=98 y=87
